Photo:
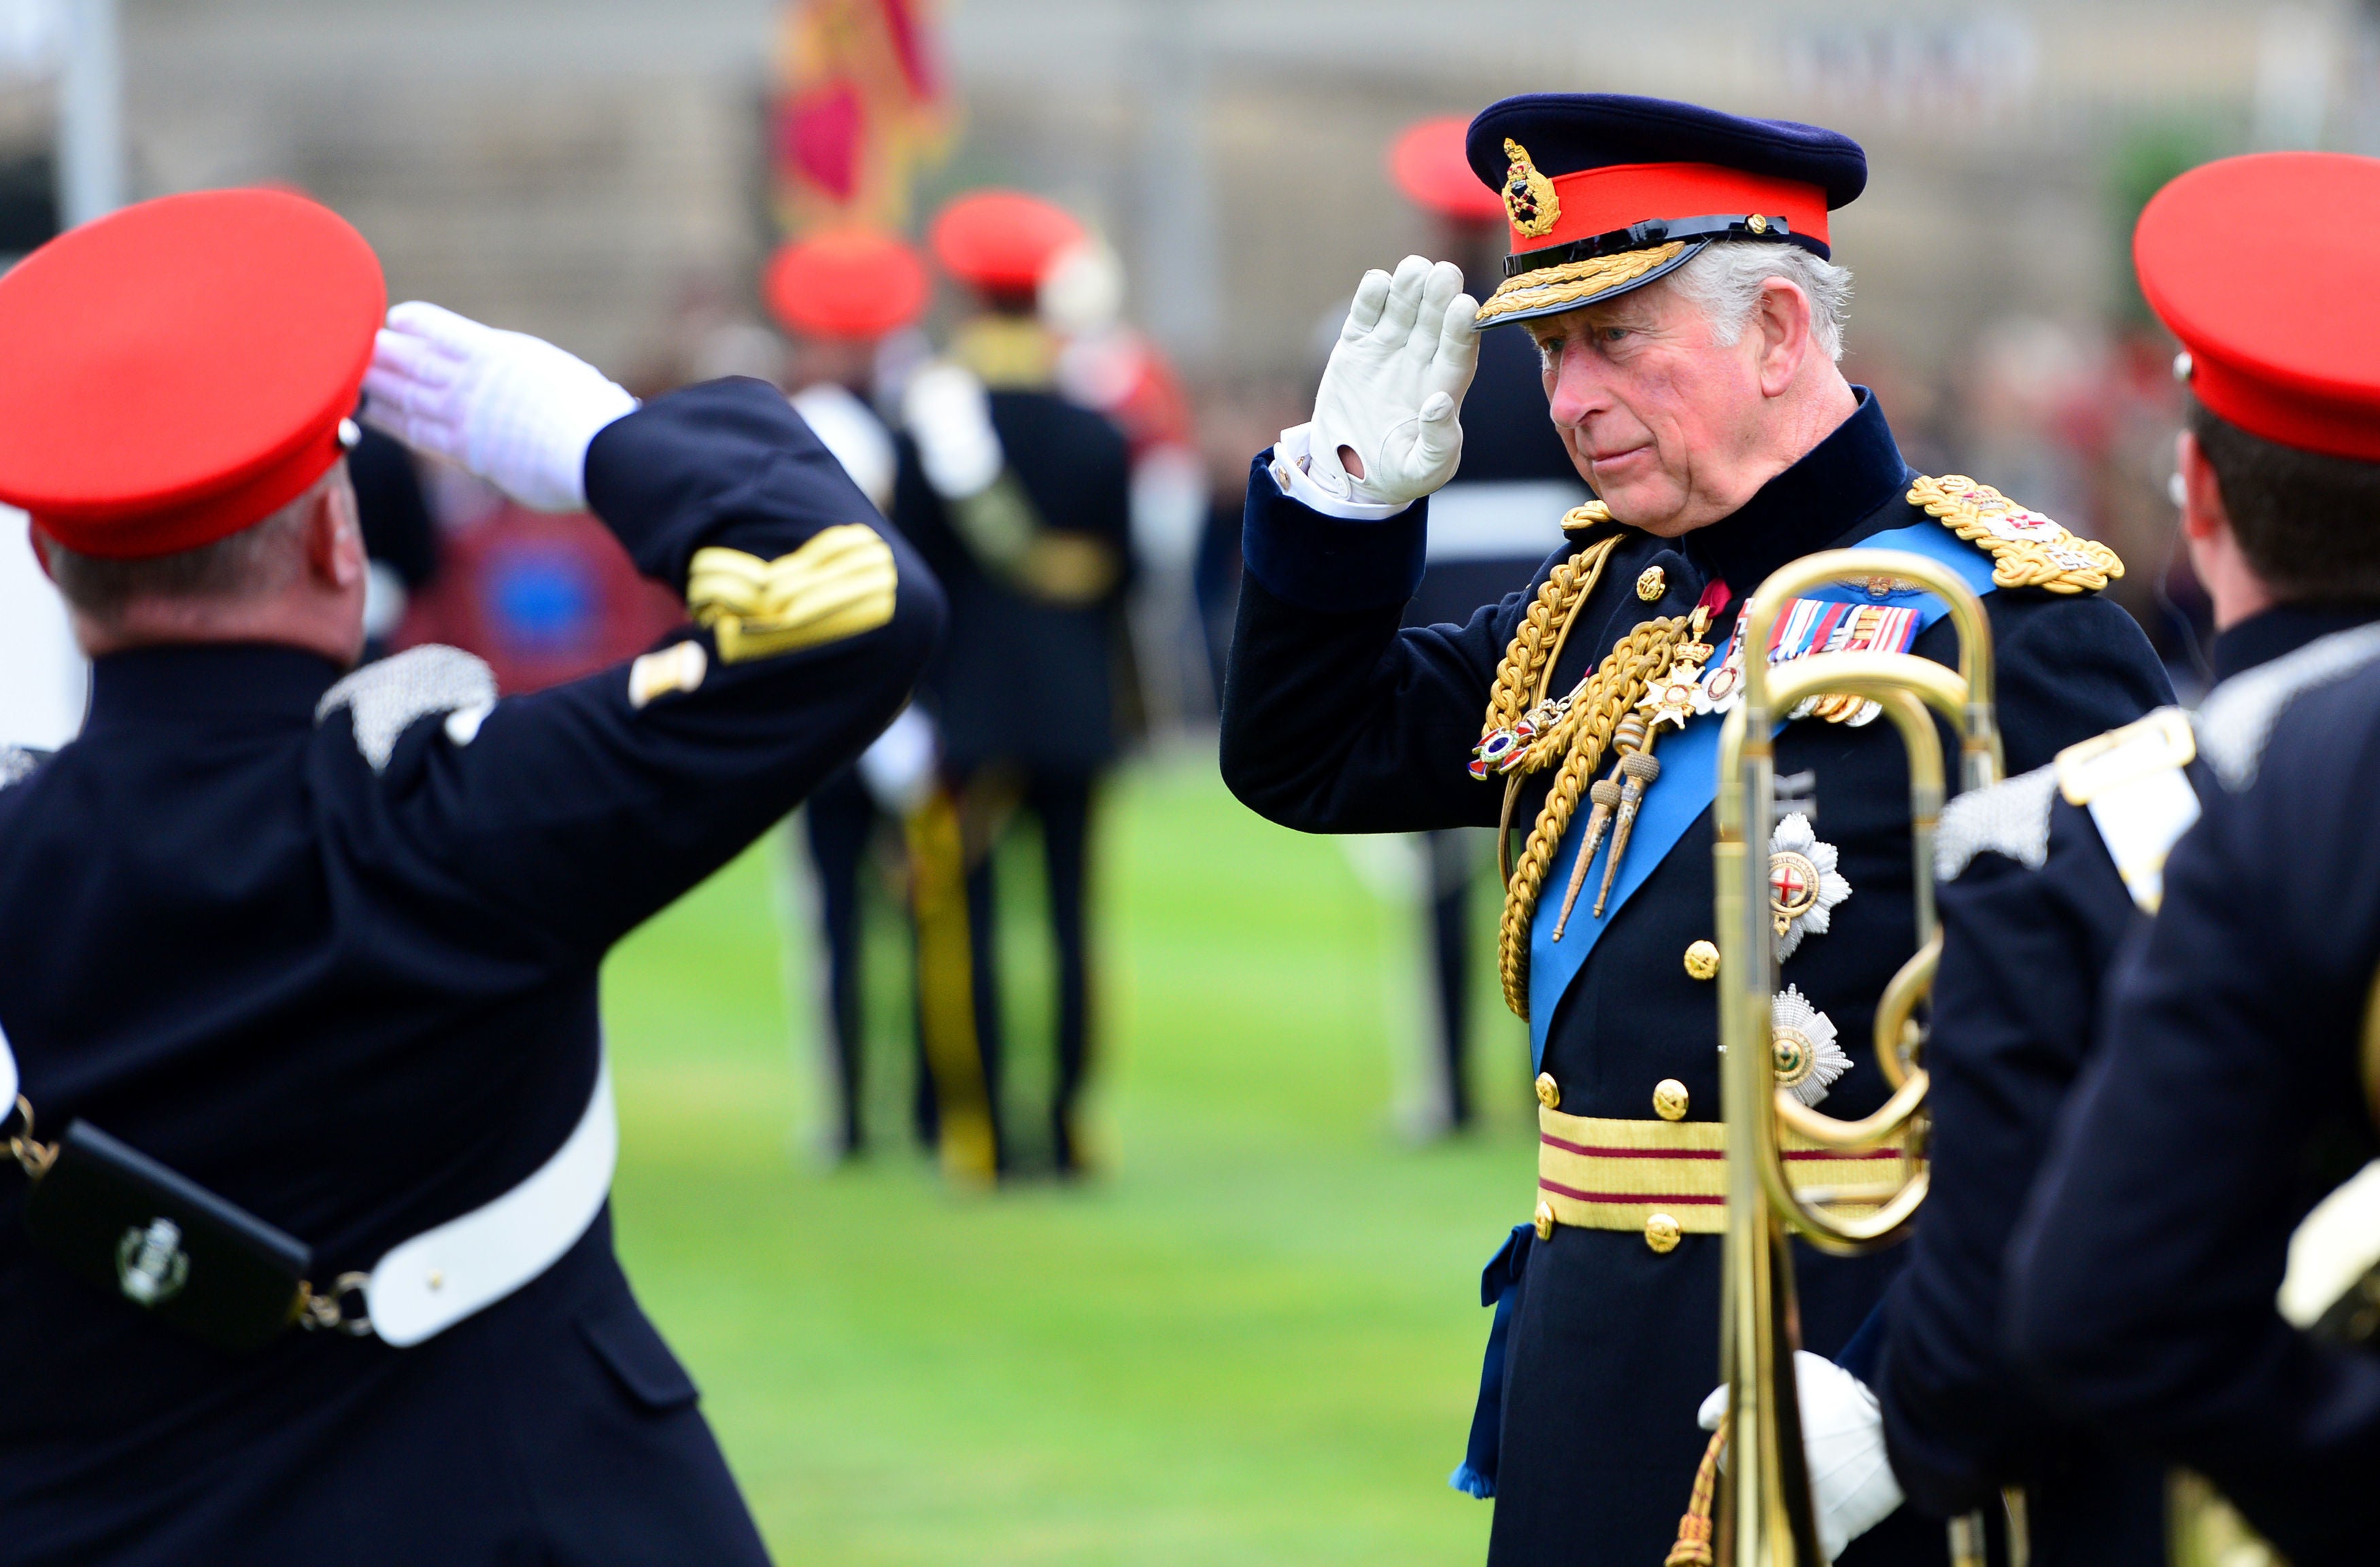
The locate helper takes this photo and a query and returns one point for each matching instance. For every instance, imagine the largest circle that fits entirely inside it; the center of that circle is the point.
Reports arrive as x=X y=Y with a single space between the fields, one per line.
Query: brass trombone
x=1765 y=1510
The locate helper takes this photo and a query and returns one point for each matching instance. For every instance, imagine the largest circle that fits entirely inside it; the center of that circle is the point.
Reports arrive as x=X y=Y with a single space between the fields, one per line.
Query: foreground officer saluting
x=2226 y=1100
x=304 y=967
x=1672 y=263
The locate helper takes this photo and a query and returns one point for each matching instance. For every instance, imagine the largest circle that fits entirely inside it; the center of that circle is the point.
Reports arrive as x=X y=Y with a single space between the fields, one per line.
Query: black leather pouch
x=165 y=1244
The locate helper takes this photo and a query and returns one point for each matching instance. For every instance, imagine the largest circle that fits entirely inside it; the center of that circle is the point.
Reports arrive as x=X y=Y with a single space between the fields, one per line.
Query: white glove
x=899 y=768
x=1851 y=1485
x=512 y=408
x=1395 y=385
x=949 y=415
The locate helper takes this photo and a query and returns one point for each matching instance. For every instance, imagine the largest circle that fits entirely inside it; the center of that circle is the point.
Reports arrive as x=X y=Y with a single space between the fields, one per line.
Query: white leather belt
x=427 y=1284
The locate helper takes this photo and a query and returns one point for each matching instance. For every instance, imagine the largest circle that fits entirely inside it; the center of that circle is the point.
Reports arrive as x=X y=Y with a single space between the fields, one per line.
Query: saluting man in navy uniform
x=1673 y=265
x=301 y=976
x=2155 y=1286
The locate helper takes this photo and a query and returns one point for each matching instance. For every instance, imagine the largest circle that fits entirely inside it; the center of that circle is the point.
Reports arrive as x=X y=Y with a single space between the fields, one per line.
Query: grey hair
x=255 y=560
x=1725 y=280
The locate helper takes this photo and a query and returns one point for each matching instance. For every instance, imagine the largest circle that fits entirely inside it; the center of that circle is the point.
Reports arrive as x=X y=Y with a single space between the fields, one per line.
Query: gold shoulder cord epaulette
x=2028 y=550
x=1524 y=733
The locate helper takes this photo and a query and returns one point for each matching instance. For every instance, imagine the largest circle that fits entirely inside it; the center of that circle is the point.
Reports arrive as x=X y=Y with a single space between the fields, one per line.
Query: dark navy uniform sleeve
x=573 y=814
x=2141 y=1282
x=2015 y=1003
x=1334 y=719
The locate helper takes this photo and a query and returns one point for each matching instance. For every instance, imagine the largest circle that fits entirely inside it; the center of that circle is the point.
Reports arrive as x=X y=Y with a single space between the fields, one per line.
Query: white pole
x=91 y=112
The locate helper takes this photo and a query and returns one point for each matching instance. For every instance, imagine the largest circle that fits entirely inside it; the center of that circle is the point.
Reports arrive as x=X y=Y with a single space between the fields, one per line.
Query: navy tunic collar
x=2284 y=628
x=1822 y=501
x=209 y=680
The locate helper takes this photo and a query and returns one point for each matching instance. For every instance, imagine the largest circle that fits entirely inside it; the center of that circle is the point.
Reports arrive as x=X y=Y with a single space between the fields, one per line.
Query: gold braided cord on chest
x=2027 y=551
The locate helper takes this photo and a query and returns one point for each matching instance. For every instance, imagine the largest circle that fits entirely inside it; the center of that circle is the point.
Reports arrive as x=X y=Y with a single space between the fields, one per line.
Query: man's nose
x=1580 y=390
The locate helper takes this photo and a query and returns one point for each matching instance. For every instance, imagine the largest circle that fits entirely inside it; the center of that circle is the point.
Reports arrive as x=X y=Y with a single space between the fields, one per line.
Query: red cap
x=852 y=283
x=175 y=372
x=1002 y=240
x=1428 y=164
x=2279 y=346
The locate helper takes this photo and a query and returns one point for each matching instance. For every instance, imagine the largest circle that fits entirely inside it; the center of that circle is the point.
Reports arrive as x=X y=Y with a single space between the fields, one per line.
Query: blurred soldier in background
x=1114 y=369
x=1022 y=500
x=838 y=297
x=322 y=947
x=2155 y=1286
x=1489 y=527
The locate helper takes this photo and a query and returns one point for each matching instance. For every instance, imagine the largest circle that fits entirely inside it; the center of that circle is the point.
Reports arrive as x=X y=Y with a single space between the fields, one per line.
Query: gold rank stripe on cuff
x=1599 y=1175
x=838 y=585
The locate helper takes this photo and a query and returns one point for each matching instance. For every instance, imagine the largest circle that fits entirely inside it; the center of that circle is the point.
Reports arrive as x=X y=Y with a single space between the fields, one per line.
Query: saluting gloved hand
x=512 y=408
x=1851 y=1485
x=1395 y=385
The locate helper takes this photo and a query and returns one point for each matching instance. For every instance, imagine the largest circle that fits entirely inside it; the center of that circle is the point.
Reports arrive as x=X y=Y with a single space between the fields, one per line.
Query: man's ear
x=41 y=552
x=1782 y=320
x=335 y=535
x=2203 y=515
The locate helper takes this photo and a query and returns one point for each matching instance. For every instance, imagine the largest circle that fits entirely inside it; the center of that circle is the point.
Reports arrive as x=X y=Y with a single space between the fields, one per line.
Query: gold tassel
x=946 y=992
x=1641 y=769
x=1694 y=1546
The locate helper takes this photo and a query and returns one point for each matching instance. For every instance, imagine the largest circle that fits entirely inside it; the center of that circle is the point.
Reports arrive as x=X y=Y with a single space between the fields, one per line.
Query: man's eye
x=1614 y=333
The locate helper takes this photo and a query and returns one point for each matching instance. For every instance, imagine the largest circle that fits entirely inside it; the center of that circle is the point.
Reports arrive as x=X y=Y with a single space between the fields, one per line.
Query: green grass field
x=1255 y=1337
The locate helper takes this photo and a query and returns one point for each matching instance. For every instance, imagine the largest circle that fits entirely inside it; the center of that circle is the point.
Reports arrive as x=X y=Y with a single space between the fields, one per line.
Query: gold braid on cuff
x=838 y=585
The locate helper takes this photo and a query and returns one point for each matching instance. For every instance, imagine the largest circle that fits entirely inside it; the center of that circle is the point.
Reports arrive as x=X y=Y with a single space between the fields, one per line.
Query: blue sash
x=1688 y=783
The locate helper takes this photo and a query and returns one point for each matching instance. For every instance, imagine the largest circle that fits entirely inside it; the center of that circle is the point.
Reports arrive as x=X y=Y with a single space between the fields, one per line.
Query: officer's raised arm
x=1332 y=720
x=812 y=621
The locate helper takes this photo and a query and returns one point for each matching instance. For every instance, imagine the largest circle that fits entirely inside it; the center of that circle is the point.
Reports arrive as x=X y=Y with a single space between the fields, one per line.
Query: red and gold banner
x=861 y=103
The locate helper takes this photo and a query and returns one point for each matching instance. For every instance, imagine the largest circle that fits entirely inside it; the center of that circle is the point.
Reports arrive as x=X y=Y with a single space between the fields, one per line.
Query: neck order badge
x=1690 y=777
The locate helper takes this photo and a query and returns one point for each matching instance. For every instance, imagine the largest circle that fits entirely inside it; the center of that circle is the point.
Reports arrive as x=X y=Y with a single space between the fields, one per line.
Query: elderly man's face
x=1670 y=427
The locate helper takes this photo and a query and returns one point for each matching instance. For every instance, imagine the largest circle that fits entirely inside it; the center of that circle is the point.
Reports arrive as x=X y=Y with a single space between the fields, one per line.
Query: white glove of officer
x=1393 y=387
x=949 y=415
x=512 y=408
x=1851 y=1485
x=899 y=768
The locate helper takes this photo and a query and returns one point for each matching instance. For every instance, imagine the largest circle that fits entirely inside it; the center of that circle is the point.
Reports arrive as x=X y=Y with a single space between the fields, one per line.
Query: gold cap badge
x=1528 y=195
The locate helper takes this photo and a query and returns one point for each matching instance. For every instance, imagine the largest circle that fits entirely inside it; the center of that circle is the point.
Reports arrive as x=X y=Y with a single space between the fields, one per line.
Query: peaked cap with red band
x=178 y=371
x=1429 y=165
x=1605 y=192
x=2284 y=348
x=855 y=285
x=1001 y=240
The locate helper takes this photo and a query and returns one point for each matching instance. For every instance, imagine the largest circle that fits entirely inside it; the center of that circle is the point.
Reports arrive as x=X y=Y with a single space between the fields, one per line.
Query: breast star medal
x=1675 y=696
x=1804 y=885
x=1801 y=1047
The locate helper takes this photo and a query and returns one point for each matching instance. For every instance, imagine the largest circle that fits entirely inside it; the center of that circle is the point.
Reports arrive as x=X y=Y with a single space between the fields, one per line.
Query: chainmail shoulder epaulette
x=2237 y=719
x=387 y=698
x=2011 y=818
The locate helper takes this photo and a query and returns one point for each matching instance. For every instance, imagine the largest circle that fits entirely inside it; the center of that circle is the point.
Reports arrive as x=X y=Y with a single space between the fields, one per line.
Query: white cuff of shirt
x=1289 y=455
